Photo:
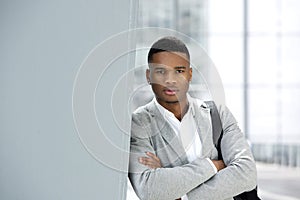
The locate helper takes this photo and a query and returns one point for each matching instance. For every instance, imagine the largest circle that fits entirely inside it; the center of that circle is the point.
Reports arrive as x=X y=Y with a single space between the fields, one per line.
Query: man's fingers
x=153 y=156
x=145 y=160
x=148 y=162
x=152 y=161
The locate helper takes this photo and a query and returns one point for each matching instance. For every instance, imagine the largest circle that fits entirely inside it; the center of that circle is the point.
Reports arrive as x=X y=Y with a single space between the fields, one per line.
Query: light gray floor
x=278 y=182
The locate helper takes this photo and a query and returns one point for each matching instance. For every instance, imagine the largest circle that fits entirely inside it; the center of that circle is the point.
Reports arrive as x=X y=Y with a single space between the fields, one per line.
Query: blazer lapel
x=203 y=121
x=166 y=131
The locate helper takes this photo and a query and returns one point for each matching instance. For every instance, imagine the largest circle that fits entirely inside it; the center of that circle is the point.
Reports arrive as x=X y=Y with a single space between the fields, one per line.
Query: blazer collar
x=201 y=114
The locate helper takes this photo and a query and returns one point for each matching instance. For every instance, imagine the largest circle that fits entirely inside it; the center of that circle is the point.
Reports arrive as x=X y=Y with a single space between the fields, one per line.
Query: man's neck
x=178 y=108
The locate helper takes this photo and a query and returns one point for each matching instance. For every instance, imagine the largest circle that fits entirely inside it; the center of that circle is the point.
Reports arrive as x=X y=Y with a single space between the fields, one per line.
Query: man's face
x=169 y=75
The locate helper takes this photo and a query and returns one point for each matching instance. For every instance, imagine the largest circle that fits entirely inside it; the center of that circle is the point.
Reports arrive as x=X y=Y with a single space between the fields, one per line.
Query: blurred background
x=255 y=47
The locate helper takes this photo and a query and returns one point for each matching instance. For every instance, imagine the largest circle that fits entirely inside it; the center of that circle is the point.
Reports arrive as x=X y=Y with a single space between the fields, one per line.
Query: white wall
x=42 y=46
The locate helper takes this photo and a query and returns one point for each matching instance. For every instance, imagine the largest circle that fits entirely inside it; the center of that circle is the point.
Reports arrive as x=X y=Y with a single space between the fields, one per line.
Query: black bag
x=217 y=136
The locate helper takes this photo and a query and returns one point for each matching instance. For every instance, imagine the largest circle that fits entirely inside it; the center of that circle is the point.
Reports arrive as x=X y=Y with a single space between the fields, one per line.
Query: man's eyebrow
x=180 y=67
x=158 y=67
x=163 y=67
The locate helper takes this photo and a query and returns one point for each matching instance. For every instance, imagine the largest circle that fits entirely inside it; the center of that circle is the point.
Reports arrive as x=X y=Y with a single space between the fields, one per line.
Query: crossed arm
x=196 y=179
x=164 y=183
x=153 y=162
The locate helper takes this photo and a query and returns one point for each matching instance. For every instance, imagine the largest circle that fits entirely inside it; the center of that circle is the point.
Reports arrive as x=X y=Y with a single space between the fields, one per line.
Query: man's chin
x=171 y=100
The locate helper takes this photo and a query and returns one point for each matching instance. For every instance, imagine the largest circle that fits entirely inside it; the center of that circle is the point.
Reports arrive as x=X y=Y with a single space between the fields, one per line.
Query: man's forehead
x=160 y=65
x=171 y=53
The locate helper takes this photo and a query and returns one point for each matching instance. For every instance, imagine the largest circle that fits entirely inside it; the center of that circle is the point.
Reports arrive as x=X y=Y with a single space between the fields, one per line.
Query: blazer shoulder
x=225 y=114
x=141 y=121
x=144 y=113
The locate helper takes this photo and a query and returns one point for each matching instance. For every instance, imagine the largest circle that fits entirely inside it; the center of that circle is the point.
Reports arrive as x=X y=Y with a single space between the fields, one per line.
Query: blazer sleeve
x=161 y=183
x=240 y=174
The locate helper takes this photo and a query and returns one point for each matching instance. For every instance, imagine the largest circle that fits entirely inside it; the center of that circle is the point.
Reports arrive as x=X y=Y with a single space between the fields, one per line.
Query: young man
x=172 y=150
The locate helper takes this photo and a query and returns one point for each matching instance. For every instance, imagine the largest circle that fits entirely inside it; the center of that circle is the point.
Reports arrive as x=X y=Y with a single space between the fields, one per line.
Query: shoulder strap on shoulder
x=216 y=126
x=217 y=137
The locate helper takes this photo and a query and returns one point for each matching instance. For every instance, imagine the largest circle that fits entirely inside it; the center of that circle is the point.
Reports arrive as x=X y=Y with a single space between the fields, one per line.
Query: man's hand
x=219 y=164
x=152 y=161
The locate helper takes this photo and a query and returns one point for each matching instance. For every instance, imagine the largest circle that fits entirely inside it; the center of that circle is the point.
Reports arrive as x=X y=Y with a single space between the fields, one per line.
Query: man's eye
x=179 y=71
x=160 y=71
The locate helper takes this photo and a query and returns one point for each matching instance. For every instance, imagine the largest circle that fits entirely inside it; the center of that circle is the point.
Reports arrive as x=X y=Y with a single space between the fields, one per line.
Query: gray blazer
x=150 y=132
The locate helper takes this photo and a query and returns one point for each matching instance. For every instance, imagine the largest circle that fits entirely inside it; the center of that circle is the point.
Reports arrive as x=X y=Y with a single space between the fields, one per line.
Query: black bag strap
x=216 y=126
x=217 y=137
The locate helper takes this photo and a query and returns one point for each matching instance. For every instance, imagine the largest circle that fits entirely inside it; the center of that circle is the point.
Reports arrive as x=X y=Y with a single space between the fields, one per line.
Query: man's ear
x=191 y=74
x=148 y=75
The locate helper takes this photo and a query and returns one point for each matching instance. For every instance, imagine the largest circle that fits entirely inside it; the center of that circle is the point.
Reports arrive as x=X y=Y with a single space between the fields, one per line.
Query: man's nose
x=170 y=78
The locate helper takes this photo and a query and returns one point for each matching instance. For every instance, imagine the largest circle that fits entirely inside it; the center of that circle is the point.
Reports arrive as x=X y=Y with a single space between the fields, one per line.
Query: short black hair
x=169 y=44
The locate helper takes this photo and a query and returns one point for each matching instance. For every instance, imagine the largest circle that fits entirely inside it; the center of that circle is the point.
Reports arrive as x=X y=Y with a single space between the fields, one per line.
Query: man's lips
x=170 y=91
